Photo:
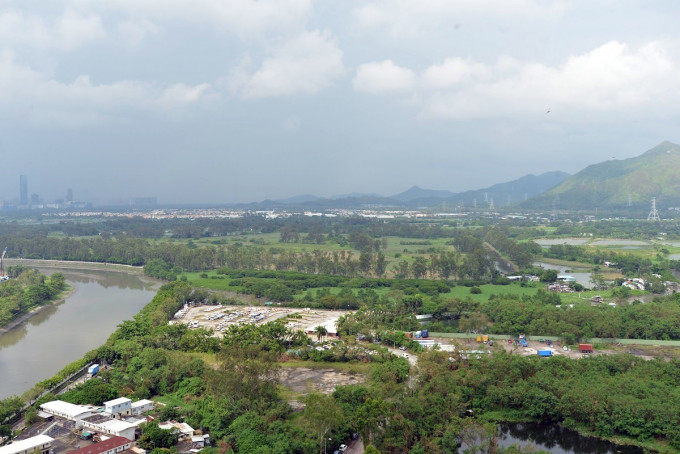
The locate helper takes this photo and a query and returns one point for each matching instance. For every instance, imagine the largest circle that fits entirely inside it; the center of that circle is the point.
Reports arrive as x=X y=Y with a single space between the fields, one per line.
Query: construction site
x=219 y=318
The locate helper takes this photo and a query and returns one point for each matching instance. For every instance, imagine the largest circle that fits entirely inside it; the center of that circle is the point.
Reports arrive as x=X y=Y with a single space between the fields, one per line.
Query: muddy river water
x=57 y=335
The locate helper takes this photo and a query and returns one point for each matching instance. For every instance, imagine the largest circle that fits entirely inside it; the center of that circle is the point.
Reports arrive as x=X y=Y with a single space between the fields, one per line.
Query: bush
x=475 y=290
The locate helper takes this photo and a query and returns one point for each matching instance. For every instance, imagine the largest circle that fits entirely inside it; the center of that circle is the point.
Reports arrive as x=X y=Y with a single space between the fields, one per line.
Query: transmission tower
x=653 y=214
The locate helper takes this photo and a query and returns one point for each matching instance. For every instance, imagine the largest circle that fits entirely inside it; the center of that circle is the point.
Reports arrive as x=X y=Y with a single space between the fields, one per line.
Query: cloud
x=408 y=18
x=608 y=78
x=66 y=32
x=383 y=77
x=245 y=18
x=135 y=32
x=306 y=64
x=38 y=97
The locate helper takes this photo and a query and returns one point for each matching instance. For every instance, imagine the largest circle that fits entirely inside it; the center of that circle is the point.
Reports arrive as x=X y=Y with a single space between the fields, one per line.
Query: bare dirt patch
x=303 y=380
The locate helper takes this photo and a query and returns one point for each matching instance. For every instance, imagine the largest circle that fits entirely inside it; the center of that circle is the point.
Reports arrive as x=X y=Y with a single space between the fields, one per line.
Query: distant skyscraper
x=69 y=195
x=23 y=189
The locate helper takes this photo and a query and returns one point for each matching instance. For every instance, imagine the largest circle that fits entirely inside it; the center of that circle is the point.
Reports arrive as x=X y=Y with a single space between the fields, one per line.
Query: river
x=41 y=346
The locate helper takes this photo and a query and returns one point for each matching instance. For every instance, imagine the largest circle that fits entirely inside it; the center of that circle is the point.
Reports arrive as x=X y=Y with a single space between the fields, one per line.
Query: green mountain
x=618 y=184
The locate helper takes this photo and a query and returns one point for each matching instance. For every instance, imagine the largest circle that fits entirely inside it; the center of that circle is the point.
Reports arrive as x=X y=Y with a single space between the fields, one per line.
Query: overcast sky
x=208 y=101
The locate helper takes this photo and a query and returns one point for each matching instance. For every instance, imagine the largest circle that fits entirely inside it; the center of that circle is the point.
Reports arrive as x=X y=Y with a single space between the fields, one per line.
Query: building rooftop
x=120 y=400
x=64 y=408
x=141 y=403
x=98 y=419
x=103 y=446
x=27 y=444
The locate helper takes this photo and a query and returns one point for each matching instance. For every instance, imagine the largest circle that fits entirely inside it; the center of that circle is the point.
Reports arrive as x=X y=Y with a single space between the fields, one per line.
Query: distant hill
x=611 y=184
x=415 y=197
x=416 y=193
x=303 y=198
x=512 y=192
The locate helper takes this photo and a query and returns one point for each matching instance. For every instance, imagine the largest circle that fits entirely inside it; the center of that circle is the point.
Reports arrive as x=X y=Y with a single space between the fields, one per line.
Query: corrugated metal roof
x=27 y=444
x=103 y=446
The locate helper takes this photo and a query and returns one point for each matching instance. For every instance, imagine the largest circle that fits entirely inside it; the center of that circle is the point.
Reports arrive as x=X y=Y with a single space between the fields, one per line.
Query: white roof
x=120 y=400
x=64 y=408
x=24 y=445
x=328 y=324
x=116 y=426
x=141 y=403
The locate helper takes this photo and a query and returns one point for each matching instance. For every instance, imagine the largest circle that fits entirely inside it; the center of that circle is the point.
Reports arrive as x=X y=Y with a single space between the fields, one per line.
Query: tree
x=321 y=415
x=549 y=276
x=321 y=332
x=380 y=264
x=246 y=376
x=365 y=259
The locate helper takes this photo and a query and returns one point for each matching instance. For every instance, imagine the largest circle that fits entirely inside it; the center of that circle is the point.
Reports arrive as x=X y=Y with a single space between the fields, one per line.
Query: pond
x=582 y=277
x=557 y=439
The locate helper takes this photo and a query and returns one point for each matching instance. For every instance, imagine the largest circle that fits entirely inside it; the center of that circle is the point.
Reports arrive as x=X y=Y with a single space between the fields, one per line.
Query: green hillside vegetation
x=608 y=184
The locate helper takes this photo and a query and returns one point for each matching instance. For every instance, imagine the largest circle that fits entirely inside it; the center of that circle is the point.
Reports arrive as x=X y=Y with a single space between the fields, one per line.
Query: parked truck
x=544 y=353
x=92 y=370
x=585 y=348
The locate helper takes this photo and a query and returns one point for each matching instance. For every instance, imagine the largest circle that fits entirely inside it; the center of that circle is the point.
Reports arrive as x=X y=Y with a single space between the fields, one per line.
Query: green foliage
x=153 y=437
x=92 y=392
x=161 y=269
x=26 y=290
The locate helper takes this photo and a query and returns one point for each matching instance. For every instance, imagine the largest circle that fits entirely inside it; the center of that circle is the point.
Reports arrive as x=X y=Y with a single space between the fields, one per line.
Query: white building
x=68 y=411
x=40 y=444
x=112 y=427
x=142 y=406
x=118 y=407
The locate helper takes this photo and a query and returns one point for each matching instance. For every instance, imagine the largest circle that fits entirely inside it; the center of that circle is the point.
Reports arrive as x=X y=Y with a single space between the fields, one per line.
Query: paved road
x=355 y=447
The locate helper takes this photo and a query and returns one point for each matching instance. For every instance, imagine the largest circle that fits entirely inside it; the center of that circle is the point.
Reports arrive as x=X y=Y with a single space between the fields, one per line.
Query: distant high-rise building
x=69 y=195
x=23 y=189
x=35 y=199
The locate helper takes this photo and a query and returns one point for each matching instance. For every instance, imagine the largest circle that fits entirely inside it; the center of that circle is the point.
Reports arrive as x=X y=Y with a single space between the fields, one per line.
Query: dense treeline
x=26 y=289
x=521 y=254
x=167 y=259
x=538 y=316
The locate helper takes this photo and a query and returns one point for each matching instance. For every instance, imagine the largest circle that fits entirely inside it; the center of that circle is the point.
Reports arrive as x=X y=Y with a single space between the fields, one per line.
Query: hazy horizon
x=209 y=102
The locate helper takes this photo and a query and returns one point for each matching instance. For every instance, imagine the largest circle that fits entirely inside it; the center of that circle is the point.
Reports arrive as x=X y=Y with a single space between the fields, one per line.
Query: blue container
x=544 y=353
x=424 y=334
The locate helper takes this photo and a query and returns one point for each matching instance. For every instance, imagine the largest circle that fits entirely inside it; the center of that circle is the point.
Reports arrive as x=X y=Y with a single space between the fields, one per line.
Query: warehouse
x=68 y=411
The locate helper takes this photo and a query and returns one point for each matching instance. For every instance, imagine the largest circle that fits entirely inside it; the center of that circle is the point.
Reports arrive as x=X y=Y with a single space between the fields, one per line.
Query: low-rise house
x=104 y=425
x=40 y=444
x=118 y=407
x=184 y=431
x=113 y=445
x=141 y=406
